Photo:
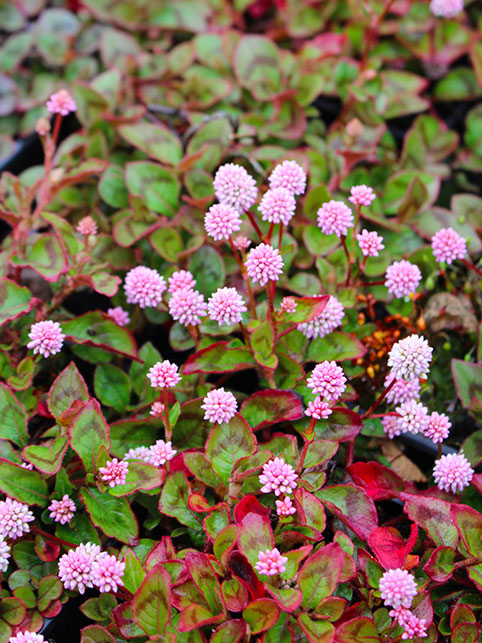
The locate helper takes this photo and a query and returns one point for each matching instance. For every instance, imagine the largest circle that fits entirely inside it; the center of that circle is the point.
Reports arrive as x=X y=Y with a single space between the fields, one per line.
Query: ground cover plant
x=240 y=321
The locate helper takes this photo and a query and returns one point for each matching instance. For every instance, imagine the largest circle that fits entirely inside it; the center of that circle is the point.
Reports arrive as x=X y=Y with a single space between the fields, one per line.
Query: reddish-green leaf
x=67 y=388
x=151 y=607
x=264 y=408
x=310 y=510
x=343 y=424
x=469 y=525
x=113 y=516
x=466 y=633
x=380 y=483
x=352 y=505
x=95 y=634
x=320 y=575
x=46 y=256
x=50 y=588
x=307 y=308
x=336 y=346
x=195 y=616
x=257 y=66
x=156 y=140
x=174 y=500
x=15 y=300
x=316 y=631
x=261 y=614
x=255 y=536
x=357 y=630
x=318 y=452
x=141 y=476
x=14 y=418
x=221 y=357
x=234 y=594
x=134 y=573
x=205 y=579
x=433 y=515
x=440 y=566
x=12 y=610
x=88 y=433
x=232 y=631
x=22 y=484
x=47 y=457
x=158 y=187
x=97 y=329
x=228 y=443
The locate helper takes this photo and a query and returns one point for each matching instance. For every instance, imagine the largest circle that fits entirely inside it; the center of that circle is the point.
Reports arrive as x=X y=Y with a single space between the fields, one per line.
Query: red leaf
x=248 y=504
x=388 y=546
x=241 y=568
x=380 y=483
x=353 y=505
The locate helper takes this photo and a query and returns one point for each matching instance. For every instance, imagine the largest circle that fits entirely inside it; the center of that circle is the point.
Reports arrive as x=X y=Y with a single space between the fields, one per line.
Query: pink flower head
x=410 y=358
x=119 y=315
x=452 y=472
x=157 y=409
x=26 y=637
x=391 y=426
x=144 y=286
x=87 y=226
x=4 y=554
x=221 y=221
x=75 y=567
x=164 y=375
x=187 y=306
x=327 y=380
x=446 y=8
x=226 y=306
x=370 y=243
x=288 y=175
x=62 y=510
x=181 y=279
x=326 y=322
x=285 y=507
x=114 y=472
x=318 y=409
x=438 y=427
x=397 y=588
x=402 y=278
x=335 y=217
x=14 y=519
x=235 y=187
x=288 y=304
x=61 y=103
x=278 y=476
x=107 y=573
x=412 y=625
x=278 y=205
x=402 y=390
x=220 y=406
x=138 y=453
x=27 y=465
x=413 y=417
x=447 y=245
x=264 y=263
x=42 y=126
x=47 y=338
x=361 y=195
x=161 y=452
x=241 y=242
x=271 y=562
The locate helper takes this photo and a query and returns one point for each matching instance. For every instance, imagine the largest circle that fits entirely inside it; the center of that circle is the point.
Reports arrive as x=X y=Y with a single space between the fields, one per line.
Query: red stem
x=45 y=534
x=379 y=400
x=255 y=225
x=280 y=237
x=472 y=267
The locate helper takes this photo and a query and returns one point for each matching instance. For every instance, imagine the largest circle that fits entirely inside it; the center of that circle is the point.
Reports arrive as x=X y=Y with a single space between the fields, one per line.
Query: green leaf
x=113 y=516
x=432 y=515
x=24 y=375
x=468 y=381
x=64 y=231
x=310 y=510
x=173 y=500
x=47 y=457
x=14 y=418
x=319 y=452
x=95 y=634
x=67 y=388
x=227 y=444
x=88 y=433
x=257 y=66
x=49 y=589
x=222 y=357
x=112 y=187
x=357 y=630
x=158 y=188
x=255 y=535
x=353 y=506
x=22 y=484
x=141 y=476
x=97 y=329
x=336 y=346
x=134 y=574
x=320 y=575
x=45 y=255
x=262 y=343
x=316 y=631
x=151 y=606
x=112 y=386
x=12 y=610
x=307 y=308
x=15 y=300
x=469 y=525
x=208 y=269
x=157 y=141
x=261 y=614
x=268 y=407
x=167 y=243
x=440 y=566
x=205 y=580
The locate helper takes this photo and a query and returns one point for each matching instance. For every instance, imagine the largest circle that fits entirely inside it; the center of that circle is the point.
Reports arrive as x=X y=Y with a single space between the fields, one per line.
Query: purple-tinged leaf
x=95 y=634
x=151 y=606
x=15 y=300
x=232 y=631
x=357 y=630
x=67 y=388
x=88 y=433
x=268 y=407
x=432 y=515
x=316 y=631
x=261 y=614
x=440 y=566
x=320 y=575
x=195 y=616
x=98 y=329
x=48 y=456
x=222 y=357
x=353 y=506
x=228 y=443
x=255 y=536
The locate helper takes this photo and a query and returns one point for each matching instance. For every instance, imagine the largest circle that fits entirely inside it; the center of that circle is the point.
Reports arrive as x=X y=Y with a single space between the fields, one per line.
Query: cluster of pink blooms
x=288 y=175
x=288 y=304
x=221 y=220
x=397 y=588
x=86 y=566
x=87 y=226
x=14 y=519
x=235 y=187
x=264 y=264
x=285 y=507
x=327 y=380
x=278 y=477
x=271 y=562
x=446 y=8
x=452 y=472
x=157 y=409
x=448 y=245
x=370 y=243
x=335 y=217
x=325 y=322
x=144 y=286
x=226 y=306
x=412 y=625
x=46 y=338
x=187 y=306
x=61 y=103
x=114 y=473
x=413 y=417
x=278 y=205
x=180 y=279
x=119 y=315
x=26 y=637
x=138 y=453
x=4 y=554
x=438 y=427
x=241 y=242
x=220 y=406
x=410 y=358
x=62 y=510
x=361 y=195
x=402 y=390
x=402 y=278
x=391 y=426
x=318 y=409
x=160 y=453
x=164 y=375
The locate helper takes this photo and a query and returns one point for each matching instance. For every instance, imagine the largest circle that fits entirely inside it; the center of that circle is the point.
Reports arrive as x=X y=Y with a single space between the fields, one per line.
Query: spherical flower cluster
x=391 y=426
x=285 y=507
x=327 y=380
x=187 y=306
x=157 y=409
x=402 y=278
x=288 y=175
x=160 y=453
x=144 y=286
x=119 y=315
x=318 y=409
x=335 y=217
x=62 y=510
x=397 y=588
x=412 y=625
x=107 y=573
x=241 y=242
x=26 y=637
x=361 y=195
x=278 y=205
x=278 y=476
x=264 y=263
x=164 y=375
x=413 y=417
x=221 y=221
x=14 y=519
x=180 y=279
x=452 y=472
x=438 y=427
x=402 y=390
x=4 y=554
x=446 y=8
x=370 y=243
x=271 y=562
x=226 y=306
x=447 y=245
x=410 y=358
x=220 y=406
x=114 y=472
x=326 y=322
x=75 y=567
x=235 y=187
x=87 y=226
x=138 y=453
x=61 y=103
x=47 y=338
x=288 y=304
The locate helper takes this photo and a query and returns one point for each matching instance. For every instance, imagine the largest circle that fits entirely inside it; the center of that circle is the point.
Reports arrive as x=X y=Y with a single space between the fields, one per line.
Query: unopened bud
x=42 y=127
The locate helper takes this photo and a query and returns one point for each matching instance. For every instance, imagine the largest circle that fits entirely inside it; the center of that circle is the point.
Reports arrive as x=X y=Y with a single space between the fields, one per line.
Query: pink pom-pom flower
x=448 y=245
x=46 y=338
x=278 y=477
x=138 y=453
x=220 y=406
x=412 y=625
x=288 y=304
x=402 y=278
x=327 y=380
x=370 y=243
x=271 y=562
x=26 y=637
x=413 y=417
x=107 y=573
x=288 y=175
x=161 y=452
x=361 y=195
x=226 y=306
x=438 y=427
x=4 y=554
x=14 y=519
x=157 y=409
x=114 y=473
x=326 y=322
x=264 y=264
x=241 y=242
x=285 y=507
x=144 y=286
x=335 y=217
x=452 y=472
x=62 y=510
x=181 y=279
x=446 y=8
x=187 y=306
x=87 y=226
x=318 y=409
x=61 y=103
x=75 y=567
x=164 y=375
x=391 y=426
x=402 y=390
x=410 y=358
x=119 y=315
x=221 y=220
x=278 y=205
x=235 y=187
x=397 y=588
